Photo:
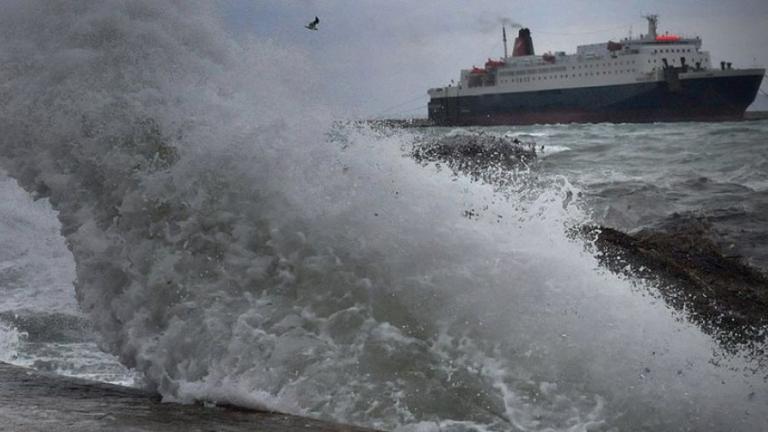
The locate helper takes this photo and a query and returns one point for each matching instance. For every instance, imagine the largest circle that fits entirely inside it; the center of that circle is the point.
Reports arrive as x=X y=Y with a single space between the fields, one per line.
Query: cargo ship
x=651 y=78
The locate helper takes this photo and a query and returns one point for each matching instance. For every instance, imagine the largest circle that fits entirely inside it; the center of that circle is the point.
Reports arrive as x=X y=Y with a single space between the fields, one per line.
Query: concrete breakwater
x=34 y=401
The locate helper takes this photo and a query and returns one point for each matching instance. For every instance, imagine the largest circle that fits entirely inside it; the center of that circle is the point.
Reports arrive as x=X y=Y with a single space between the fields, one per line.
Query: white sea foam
x=10 y=339
x=552 y=149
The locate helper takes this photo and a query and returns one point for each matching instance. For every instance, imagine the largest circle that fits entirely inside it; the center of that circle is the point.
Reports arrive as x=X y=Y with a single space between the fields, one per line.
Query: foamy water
x=233 y=244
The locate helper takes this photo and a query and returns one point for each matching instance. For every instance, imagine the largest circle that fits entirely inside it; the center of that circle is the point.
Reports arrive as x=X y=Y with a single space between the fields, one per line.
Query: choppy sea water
x=640 y=176
x=235 y=244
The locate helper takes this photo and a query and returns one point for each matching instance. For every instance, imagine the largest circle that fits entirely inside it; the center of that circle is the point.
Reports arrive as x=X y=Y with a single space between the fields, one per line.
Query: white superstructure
x=641 y=59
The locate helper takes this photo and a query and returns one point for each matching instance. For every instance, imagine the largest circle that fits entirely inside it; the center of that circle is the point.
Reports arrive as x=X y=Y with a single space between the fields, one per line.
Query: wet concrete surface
x=34 y=401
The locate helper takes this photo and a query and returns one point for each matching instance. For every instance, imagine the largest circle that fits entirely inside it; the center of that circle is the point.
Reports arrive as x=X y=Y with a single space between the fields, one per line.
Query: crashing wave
x=231 y=252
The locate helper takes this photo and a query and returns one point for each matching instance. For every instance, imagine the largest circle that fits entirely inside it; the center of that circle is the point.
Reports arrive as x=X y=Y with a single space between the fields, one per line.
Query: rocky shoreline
x=726 y=297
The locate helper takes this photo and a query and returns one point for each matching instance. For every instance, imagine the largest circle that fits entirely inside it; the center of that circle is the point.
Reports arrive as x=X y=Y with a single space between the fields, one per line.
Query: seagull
x=313 y=24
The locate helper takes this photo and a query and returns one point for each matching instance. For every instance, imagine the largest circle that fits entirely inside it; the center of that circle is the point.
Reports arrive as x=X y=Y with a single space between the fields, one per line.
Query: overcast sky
x=378 y=58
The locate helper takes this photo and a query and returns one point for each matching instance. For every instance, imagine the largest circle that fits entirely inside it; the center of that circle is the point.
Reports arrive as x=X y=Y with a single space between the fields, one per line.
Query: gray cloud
x=373 y=55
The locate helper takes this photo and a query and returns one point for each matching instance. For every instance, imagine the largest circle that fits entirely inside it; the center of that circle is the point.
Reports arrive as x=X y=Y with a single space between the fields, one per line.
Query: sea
x=179 y=213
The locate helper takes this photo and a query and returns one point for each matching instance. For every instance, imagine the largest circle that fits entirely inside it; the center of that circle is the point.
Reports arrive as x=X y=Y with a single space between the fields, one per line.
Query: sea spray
x=234 y=246
x=10 y=339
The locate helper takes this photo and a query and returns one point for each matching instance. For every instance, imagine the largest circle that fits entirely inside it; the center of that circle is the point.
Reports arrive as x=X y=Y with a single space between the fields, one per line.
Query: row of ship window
x=586 y=66
x=567 y=76
x=670 y=50
x=674 y=60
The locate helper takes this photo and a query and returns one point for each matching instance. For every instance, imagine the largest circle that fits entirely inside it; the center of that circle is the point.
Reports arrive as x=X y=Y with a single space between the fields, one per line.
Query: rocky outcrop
x=720 y=293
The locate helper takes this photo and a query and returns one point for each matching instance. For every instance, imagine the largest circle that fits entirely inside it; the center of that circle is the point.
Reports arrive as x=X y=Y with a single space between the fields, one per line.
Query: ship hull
x=709 y=98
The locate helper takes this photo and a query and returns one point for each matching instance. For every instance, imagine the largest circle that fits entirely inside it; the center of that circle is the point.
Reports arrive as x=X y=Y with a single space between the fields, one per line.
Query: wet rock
x=481 y=156
x=720 y=293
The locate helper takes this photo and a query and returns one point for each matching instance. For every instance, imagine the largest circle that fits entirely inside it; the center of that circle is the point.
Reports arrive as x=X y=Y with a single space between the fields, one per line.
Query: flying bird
x=313 y=25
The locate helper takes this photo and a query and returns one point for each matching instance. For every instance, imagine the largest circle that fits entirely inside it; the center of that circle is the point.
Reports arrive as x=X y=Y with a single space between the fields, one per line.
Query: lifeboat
x=667 y=38
x=493 y=64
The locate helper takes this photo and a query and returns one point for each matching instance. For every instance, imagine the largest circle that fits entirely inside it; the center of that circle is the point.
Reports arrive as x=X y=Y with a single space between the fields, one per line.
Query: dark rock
x=722 y=294
x=484 y=157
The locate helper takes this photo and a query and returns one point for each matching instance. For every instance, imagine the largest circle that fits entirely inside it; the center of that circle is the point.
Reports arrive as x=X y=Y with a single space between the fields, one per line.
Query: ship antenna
x=504 y=37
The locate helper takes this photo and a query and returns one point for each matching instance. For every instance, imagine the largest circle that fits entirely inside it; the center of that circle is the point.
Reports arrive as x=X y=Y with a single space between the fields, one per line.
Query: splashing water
x=234 y=245
x=9 y=342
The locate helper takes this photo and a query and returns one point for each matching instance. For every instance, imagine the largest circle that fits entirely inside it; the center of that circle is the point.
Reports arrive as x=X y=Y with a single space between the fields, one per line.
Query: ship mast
x=504 y=37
